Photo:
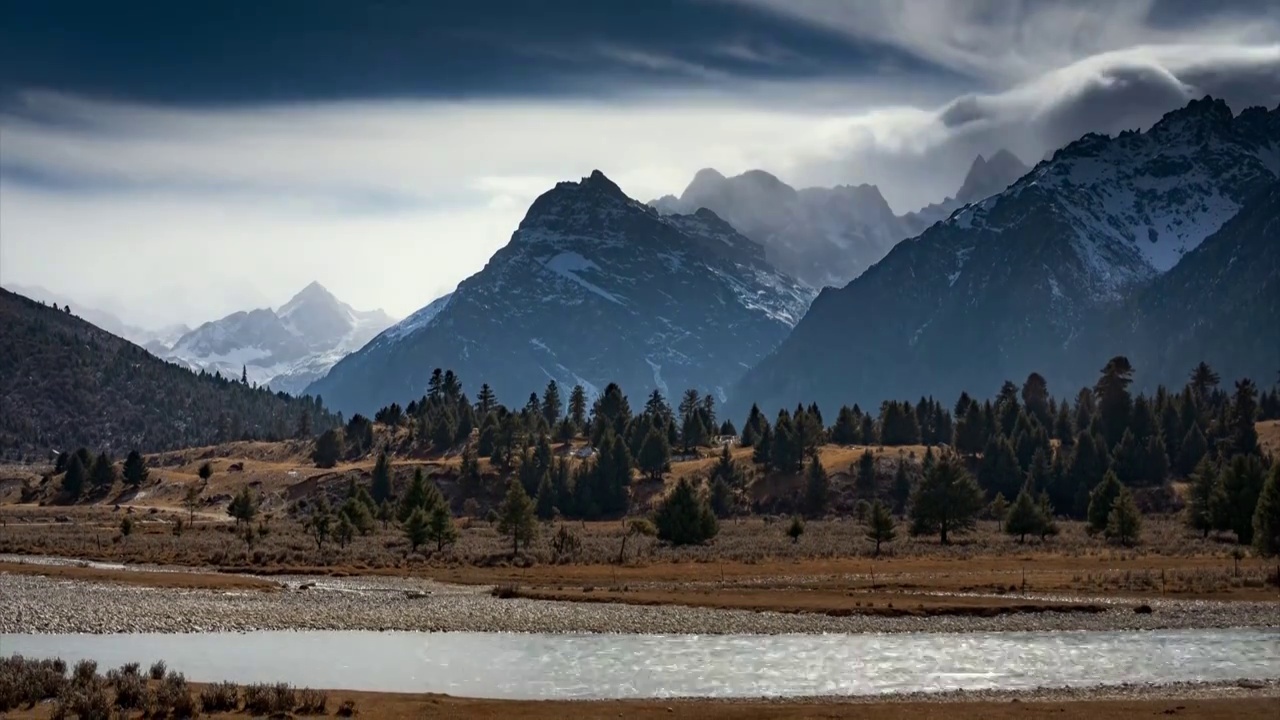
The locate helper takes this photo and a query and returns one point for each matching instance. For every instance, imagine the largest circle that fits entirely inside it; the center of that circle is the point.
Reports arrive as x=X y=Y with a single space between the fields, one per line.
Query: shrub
x=220 y=697
x=85 y=671
x=505 y=592
x=263 y=699
x=85 y=700
x=27 y=682
x=130 y=669
x=347 y=709
x=312 y=702
x=174 y=697
x=131 y=689
x=157 y=670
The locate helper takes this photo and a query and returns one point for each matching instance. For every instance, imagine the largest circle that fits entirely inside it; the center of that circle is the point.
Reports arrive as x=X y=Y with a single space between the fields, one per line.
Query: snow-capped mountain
x=285 y=349
x=593 y=288
x=827 y=236
x=984 y=179
x=1010 y=285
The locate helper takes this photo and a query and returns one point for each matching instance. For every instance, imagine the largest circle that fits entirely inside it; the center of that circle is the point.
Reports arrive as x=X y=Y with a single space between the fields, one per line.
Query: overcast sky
x=178 y=161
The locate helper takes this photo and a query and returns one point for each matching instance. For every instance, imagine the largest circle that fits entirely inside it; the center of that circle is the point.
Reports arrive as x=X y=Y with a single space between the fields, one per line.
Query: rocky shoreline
x=36 y=604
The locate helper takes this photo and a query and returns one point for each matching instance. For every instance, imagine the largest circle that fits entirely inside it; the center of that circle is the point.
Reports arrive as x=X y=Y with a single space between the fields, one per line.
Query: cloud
x=1016 y=40
x=392 y=202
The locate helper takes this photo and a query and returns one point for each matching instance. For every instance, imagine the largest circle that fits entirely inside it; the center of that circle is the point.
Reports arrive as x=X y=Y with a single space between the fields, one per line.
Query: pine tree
x=516 y=518
x=1087 y=468
x=486 y=401
x=243 y=507
x=103 y=472
x=435 y=386
x=845 y=431
x=320 y=523
x=1035 y=398
x=865 y=482
x=1127 y=460
x=1024 y=517
x=947 y=500
x=1202 y=381
x=763 y=453
x=74 y=480
x=1200 y=509
x=1242 y=480
x=344 y=531
x=329 y=448
x=440 y=527
x=1266 y=516
x=1193 y=450
x=689 y=402
x=1000 y=471
x=545 y=502
x=817 y=488
x=551 y=404
x=415 y=497
x=901 y=487
x=684 y=518
x=1101 y=500
x=380 y=487
x=795 y=529
x=1114 y=403
x=416 y=529
x=881 y=527
x=578 y=407
x=1244 y=413
x=971 y=431
x=1124 y=522
x=727 y=470
x=135 y=470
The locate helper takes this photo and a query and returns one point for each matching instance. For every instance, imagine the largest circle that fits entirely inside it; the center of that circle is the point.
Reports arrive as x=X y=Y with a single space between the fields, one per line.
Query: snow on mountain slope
x=287 y=348
x=1006 y=285
x=984 y=179
x=593 y=288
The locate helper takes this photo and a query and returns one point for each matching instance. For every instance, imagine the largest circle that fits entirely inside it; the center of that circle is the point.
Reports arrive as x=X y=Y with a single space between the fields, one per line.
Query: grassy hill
x=65 y=383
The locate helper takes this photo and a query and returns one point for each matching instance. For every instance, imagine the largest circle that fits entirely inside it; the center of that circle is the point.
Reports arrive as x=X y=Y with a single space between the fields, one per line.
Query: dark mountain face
x=66 y=383
x=1009 y=285
x=593 y=287
x=1220 y=304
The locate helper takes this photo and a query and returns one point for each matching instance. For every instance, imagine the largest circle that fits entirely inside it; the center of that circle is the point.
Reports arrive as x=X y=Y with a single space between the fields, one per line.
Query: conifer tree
x=1024 y=517
x=380 y=486
x=440 y=527
x=684 y=518
x=243 y=507
x=135 y=470
x=415 y=529
x=763 y=453
x=1192 y=451
x=1244 y=413
x=1200 y=508
x=1124 y=522
x=516 y=517
x=486 y=401
x=415 y=497
x=971 y=431
x=881 y=527
x=947 y=500
x=578 y=407
x=1101 y=500
x=1266 y=516
x=795 y=529
x=1203 y=380
x=551 y=404
x=329 y=448
x=1087 y=468
x=74 y=480
x=1241 y=480
x=865 y=481
x=545 y=501
x=727 y=470
x=1000 y=471
x=817 y=488
x=901 y=487
x=103 y=472
x=1114 y=403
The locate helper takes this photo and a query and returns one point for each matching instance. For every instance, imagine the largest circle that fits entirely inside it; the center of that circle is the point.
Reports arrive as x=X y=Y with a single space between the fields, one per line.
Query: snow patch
x=567 y=264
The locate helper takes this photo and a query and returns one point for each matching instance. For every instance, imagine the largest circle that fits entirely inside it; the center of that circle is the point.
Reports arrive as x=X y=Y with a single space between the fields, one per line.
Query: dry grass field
x=751 y=563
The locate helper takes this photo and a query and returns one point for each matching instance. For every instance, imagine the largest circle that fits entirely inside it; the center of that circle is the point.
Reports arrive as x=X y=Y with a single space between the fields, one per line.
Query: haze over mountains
x=827 y=236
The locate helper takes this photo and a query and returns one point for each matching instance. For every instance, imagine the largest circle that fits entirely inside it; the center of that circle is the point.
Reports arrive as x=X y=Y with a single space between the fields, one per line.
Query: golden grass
x=172 y=580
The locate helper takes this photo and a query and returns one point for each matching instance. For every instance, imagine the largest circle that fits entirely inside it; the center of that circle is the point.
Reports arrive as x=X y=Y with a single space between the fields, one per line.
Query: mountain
x=827 y=236
x=822 y=236
x=67 y=383
x=984 y=179
x=593 y=287
x=155 y=340
x=1009 y=285
x=285 y=348
x=1220 y=304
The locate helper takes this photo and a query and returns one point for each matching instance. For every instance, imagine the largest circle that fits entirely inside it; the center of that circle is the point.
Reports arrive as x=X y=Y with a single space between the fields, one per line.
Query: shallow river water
x=524 y=666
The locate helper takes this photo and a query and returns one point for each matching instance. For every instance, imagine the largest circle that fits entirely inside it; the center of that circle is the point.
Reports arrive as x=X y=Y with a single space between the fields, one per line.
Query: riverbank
x=1199 y=701
x=41 y=604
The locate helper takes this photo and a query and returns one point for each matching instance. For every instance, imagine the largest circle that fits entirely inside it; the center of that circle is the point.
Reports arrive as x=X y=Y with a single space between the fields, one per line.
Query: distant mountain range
x=827 y=236
x=67 y=383
x=1099 y=251
x=285 y=349
x=593 y=287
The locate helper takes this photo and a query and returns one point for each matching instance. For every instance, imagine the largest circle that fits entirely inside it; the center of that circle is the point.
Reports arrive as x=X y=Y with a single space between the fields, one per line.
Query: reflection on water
x=505 y=665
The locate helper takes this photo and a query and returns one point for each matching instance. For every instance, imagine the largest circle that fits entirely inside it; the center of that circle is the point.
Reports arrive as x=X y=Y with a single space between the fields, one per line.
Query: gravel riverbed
x=36 y=604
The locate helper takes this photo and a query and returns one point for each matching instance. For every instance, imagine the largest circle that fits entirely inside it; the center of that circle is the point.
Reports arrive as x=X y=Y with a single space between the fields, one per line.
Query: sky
x=175 y=162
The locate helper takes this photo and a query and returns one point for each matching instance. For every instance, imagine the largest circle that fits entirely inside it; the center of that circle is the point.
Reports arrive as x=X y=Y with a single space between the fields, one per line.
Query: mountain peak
x=313 y=294
x=988 y=177
x=598 y=182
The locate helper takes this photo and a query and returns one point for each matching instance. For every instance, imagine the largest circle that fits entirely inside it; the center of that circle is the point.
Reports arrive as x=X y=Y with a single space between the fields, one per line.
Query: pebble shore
x=36 y=604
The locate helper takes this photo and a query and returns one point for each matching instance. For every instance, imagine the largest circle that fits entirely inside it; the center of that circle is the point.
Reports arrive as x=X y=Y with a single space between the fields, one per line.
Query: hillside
x=66 y=383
